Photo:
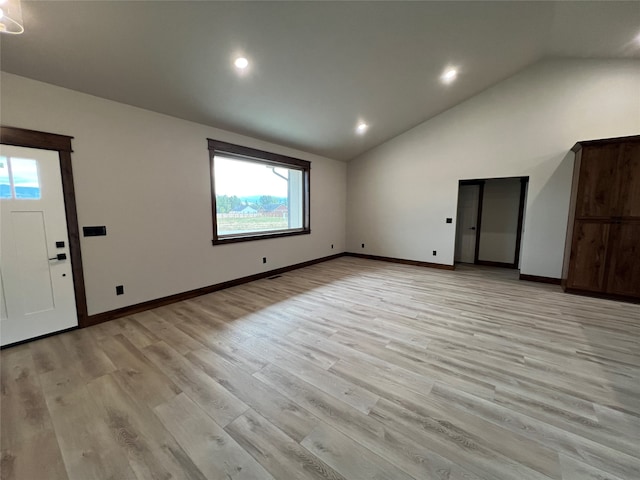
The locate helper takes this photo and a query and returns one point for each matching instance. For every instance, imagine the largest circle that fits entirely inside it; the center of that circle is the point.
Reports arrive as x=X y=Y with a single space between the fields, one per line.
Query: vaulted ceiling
x=316 y=68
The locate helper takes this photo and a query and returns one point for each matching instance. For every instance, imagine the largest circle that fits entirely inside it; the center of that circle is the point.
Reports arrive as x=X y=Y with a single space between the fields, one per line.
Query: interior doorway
x=490 y=220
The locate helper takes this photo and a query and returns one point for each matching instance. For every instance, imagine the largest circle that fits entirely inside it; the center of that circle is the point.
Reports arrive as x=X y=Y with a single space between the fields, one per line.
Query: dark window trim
x=264 y=157
x=267 y=158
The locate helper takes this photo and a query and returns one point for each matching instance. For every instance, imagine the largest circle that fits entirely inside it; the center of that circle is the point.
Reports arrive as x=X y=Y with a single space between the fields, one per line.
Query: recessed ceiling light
x=241 y=63
x=361 y=128
x=449 y=75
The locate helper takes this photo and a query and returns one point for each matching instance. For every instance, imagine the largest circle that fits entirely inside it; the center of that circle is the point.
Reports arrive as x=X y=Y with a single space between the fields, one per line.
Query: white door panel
x=34 y=292
x=37 y=288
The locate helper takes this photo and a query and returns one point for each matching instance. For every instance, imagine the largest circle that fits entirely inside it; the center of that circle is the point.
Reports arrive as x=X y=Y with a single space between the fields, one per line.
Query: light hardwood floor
x=349 y=369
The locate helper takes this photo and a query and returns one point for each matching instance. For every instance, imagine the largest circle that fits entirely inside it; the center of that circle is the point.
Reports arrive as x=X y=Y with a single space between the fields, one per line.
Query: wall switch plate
x=363 y=245
x=94 y=231
x=120 y=290
x=434 y=253
x=264 y=259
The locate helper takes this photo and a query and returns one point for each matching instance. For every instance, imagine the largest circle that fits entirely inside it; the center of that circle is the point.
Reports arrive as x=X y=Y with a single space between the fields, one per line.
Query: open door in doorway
x=467 y=222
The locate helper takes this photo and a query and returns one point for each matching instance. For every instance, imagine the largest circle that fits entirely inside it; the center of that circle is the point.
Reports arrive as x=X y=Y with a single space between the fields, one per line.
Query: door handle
x=60 y=256
x=472 y=228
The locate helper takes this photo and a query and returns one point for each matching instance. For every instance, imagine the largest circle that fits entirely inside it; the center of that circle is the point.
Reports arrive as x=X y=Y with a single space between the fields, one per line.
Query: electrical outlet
x=264 y=259
x=434 y=253
x=119 y=289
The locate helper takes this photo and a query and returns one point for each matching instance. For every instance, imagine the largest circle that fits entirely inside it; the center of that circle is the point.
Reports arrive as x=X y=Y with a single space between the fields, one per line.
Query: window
x=19 y=178
x=257 y=194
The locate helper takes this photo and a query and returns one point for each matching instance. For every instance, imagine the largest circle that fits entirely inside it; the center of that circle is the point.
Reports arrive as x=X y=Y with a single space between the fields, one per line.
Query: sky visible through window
x=243 y=179
x=22 y=173
x=257 y=194
x=254 y=197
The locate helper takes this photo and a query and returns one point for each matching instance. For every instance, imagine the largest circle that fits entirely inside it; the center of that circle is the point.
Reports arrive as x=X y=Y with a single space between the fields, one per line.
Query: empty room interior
x=319 y=240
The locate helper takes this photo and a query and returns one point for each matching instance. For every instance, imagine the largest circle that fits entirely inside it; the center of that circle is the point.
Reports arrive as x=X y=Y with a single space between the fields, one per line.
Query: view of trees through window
x=246 y=214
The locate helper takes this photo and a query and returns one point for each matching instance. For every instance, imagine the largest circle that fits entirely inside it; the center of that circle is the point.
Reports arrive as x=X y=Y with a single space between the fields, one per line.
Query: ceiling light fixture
x=361 y=128
x=11 y=17
x=241 y=63
x=449 y=75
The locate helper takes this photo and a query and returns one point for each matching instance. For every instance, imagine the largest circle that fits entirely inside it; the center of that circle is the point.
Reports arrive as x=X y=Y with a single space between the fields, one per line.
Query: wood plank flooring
x=349 y=369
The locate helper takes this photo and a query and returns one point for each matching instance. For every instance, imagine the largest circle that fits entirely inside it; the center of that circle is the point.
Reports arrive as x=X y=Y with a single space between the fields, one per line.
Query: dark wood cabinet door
x=624 y=259
x=598 y=190
x=629 y=167
x=589 y=256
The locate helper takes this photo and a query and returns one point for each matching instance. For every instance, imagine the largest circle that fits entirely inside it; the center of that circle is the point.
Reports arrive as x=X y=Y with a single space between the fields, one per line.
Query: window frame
x=12 y=183
x=217 y=147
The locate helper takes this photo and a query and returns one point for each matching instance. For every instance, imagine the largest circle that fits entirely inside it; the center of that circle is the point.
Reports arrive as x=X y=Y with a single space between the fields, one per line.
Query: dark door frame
x=21 y=137
x=523 y=190
x=524 y=183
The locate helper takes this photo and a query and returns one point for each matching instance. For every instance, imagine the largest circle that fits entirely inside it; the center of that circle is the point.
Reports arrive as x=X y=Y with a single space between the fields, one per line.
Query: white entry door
x=36 y=281
x=466 y=228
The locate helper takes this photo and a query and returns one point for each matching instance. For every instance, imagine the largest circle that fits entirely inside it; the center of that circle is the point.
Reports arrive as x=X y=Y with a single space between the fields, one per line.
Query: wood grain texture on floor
x=349 y=369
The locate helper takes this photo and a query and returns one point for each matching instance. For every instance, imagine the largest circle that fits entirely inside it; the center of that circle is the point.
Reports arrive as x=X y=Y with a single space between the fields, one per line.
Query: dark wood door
x=624 y=259
x=598 y=193
x=589 y=256
x=629 y=167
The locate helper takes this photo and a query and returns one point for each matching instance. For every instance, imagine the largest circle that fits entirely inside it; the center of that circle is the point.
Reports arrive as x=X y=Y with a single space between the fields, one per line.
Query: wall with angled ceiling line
x=401 y=192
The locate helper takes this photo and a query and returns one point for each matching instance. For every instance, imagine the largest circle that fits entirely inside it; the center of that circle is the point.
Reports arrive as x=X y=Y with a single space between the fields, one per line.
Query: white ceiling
x=316 y=67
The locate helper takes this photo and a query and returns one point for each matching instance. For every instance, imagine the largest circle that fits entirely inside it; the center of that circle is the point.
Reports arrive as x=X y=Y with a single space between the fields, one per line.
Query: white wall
x=499 y=223
x=146 y=177
x=400 y=193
